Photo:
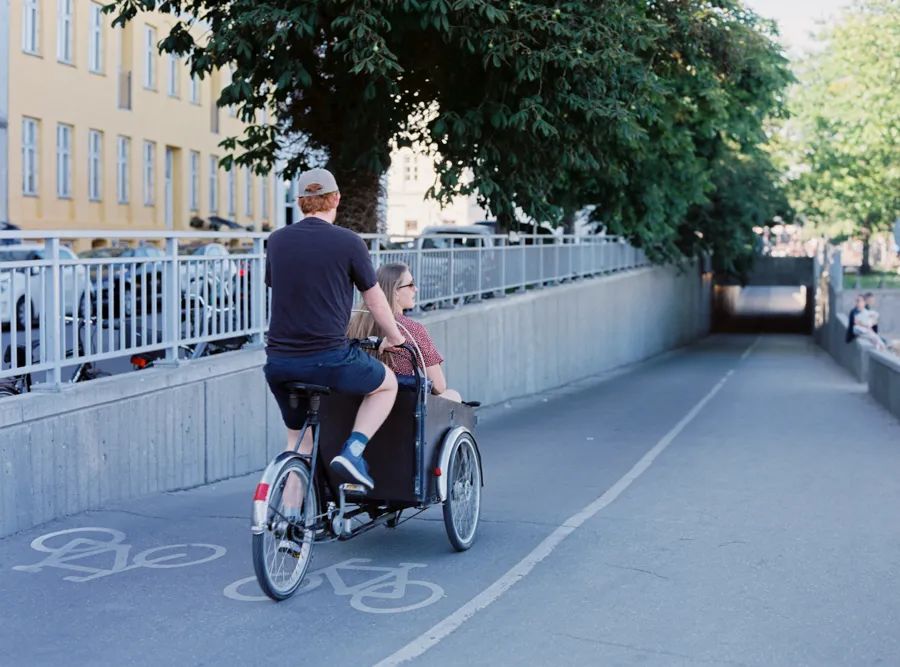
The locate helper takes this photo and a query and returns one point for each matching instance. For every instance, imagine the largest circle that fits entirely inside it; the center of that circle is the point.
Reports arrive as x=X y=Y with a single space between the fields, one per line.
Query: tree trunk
x=866 y=267
x=568 y=222
x=361 y=194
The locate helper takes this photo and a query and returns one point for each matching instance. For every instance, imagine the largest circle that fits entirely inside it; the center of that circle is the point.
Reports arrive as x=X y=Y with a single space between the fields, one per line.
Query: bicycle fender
x=444 y=460
x=263 y=490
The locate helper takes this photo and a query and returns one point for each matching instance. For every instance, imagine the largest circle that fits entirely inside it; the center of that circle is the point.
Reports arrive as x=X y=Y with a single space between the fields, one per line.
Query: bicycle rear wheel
x=283 y=551
x=462 y=508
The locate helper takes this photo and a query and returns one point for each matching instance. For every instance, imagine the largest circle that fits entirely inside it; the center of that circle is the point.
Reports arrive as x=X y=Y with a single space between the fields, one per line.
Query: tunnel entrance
x=778 y=297
x=762 y=309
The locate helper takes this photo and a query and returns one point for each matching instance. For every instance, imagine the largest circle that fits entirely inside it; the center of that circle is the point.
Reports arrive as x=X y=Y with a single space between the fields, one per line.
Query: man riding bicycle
x=312 y=267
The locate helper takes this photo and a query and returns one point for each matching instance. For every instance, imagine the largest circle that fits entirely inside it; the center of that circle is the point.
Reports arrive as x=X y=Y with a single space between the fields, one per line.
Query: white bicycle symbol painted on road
x=100 y=543
x=384 y=592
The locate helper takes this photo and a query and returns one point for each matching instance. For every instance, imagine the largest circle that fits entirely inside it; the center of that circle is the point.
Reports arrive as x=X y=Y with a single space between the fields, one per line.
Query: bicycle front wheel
x=283 y=551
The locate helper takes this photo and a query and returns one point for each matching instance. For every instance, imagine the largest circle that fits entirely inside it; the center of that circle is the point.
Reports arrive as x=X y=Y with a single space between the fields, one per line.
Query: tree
x=848 y=125
x=515 y=93
x=539 y=107
x=700 y=179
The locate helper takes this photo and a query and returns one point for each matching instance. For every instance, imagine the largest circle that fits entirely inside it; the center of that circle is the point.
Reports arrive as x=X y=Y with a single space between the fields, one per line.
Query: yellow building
x=105 y=133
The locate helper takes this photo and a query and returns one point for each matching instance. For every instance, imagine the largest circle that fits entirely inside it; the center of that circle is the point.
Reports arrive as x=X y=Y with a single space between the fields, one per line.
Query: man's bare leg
x=373 y=410
x=294 y=490
x=375 y=407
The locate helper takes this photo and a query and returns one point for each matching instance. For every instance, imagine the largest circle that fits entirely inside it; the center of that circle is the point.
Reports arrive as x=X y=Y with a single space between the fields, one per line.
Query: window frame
x=150 y=57
x=31 y=27
x=173 y=89
x=123 y=169
x=213 y=184
x=95 y=38
x=148 y=172
x=194 y=187
x=95 y=165
x=31 y=156
x=64 y=160
x=65 y=29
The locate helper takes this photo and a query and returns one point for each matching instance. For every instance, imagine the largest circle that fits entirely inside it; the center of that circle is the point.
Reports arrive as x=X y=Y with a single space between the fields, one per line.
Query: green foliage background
x=844 y=141
x=651 y=111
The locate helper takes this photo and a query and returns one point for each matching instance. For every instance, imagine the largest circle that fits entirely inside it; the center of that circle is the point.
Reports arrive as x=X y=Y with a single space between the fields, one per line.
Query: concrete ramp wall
x=166 y=429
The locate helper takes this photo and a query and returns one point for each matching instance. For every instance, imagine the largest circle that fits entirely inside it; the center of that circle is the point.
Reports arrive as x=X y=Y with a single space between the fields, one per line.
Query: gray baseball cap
x=316 y=182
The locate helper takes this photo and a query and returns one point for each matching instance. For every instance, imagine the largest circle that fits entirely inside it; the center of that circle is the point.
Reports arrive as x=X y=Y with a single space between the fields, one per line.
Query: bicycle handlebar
x=370 y=343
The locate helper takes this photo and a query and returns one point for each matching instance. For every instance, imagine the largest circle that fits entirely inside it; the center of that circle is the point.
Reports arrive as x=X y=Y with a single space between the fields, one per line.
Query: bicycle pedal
x=353 y=488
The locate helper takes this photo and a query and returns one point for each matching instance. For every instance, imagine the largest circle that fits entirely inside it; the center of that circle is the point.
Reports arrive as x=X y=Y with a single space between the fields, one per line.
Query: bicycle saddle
x=305 y=388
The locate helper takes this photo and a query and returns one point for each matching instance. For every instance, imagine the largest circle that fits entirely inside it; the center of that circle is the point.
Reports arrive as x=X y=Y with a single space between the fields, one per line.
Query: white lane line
x=520 y=570
x=750 y=349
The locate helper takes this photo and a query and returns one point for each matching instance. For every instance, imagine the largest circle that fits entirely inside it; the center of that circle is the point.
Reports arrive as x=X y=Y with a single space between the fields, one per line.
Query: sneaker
x=352 y=467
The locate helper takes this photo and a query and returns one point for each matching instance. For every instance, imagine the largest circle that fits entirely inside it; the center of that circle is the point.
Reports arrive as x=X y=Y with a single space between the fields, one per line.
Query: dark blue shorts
x=347 y=370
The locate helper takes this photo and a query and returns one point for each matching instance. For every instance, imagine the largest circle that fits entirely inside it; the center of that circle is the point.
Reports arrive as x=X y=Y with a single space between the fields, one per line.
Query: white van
x=14 y=282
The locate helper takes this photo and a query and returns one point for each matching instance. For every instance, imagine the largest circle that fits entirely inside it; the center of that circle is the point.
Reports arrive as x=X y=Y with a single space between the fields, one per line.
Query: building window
x=264 y=197
x=195 y=181
x=213 y=184
x=63 y=161
x=95 y=41
x=150 y=57
x=232 y=108
x=31 y=22
x=123 y=151
x=30 y=128
x=149 y=172
x=410 y=168
x=248 y=192
x=195 y=89
x=173 y=75
x=64 y=31
x=95 y=154
x=232 y=193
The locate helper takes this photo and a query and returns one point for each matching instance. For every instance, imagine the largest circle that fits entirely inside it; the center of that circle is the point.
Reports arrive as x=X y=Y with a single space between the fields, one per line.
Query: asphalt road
x=734 y=503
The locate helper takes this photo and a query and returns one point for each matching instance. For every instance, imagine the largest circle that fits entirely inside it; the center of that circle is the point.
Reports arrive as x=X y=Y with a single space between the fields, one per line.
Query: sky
x=797 y=18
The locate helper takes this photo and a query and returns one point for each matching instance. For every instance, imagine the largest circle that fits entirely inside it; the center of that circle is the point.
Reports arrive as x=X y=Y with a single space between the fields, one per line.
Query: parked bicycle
x=22 y=384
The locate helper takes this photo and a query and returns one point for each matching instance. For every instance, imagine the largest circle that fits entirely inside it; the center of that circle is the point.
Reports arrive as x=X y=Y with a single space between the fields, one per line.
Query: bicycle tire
x=272 y=546
x=462 y=508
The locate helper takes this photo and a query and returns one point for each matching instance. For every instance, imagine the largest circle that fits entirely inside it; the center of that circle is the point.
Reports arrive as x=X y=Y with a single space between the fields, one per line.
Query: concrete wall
x=210 y=419
x=884 y=380
x=782 y=271
x=854 y=356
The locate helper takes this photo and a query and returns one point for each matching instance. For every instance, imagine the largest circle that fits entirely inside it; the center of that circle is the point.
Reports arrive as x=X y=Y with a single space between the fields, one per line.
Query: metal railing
x=175 y=291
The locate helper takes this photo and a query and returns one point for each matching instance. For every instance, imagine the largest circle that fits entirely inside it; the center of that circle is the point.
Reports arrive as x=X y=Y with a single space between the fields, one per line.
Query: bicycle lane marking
x=65 y=555
x=387 y=584
x=520 y=570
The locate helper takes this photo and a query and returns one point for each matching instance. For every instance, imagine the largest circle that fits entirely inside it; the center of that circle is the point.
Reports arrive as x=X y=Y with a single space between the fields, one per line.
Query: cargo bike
x=424 y=454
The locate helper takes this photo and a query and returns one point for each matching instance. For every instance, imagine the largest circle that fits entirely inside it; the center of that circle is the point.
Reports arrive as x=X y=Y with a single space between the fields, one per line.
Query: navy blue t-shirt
x=312 y=267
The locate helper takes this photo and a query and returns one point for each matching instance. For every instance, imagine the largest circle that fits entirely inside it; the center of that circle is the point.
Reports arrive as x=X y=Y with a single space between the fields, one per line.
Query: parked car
x=125 y=284
x=76 y=283
x=472 y=251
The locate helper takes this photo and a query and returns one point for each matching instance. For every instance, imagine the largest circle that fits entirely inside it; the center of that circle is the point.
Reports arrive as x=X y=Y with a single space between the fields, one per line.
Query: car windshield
x=444 y=242
x=213 y=250
x=17 y=255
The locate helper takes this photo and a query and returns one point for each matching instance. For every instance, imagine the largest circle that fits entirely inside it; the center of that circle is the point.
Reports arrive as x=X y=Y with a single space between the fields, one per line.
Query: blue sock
x=357 y=443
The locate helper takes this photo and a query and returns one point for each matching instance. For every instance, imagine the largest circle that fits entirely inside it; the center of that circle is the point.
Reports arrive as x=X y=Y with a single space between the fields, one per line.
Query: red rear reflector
x=242 y=273
x=262 y=490
x=437 y=472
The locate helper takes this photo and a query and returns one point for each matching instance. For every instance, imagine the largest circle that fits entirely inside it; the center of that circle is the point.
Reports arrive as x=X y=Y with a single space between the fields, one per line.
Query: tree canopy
x=652 y=111
x=846 y=135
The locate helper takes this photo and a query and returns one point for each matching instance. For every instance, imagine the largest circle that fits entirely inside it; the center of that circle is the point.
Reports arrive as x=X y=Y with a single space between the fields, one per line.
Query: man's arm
x=378 y=306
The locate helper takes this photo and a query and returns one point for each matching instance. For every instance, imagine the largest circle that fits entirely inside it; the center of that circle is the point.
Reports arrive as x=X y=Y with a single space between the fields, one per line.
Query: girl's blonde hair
x=362 y=324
